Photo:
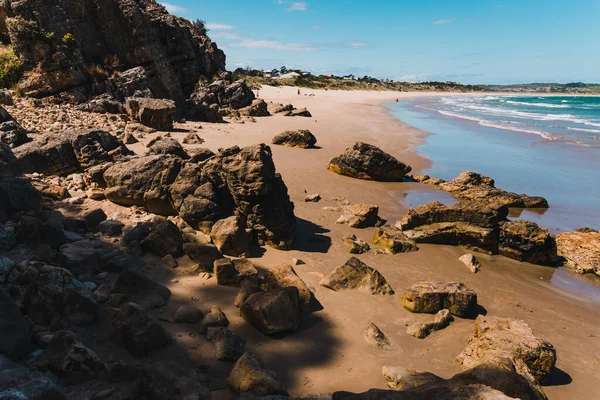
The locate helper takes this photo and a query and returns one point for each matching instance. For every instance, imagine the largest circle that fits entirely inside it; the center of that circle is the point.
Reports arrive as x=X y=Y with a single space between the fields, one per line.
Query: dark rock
x=526 y=241
x=134 y=330
x=432 y=297
x=364 y=161
x=356 y=245
x=355 y=274
x=247 y=290
x=258 y=108
x=394 y=240
x=204 y=255
x=104 y=104
x=141 y=289
x=123 y=262
x=228 y=345
x=251 y=375
x=214 y=319
x=110 y=227
x=93 y=218
x=11 y=133
x=234 y=272
x=164 y=239
x=237 y=95
x=200 y=155
x=272 y=312
x=188 y=315
x=303 y=139
x=230 y=237
x=300 y=113
x=169 y=381
x=14 y=329
x=85 y=258
x=283 y=276
x=19 y=383
x=16 y=192
x=169 y=146
x=155 y=113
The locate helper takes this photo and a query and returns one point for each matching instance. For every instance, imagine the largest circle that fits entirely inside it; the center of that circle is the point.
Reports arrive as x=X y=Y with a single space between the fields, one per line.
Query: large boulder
x=16 y=192
x=11 y=133
x=495 y=339
x=237 y=95
x=228 y=345
x=359 y=215
x=163 y=239
x=144 y=47
x=303 y=139
x=432 y=297
x=69 y=152
x=168 y=380
x=526 y=241
x=274 y=311
x=365 y=161
x=155 y=113
x=140 y=289
x=355 y=274
x=258 y=108
x=169 y=146
x=230 y=236
x=234 y=272
x=394 y=240
x=251 y=375
x=580 y=251
x=14 y=329
x=19 y=383
x=283 y=276
x=136 y=331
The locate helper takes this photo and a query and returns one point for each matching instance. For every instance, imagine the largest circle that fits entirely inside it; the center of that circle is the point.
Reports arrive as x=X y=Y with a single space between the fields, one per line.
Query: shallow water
x=566 y=174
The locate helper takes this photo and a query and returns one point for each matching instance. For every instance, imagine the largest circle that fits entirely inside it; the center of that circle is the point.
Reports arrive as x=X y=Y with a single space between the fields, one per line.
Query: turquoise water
x=545 y=146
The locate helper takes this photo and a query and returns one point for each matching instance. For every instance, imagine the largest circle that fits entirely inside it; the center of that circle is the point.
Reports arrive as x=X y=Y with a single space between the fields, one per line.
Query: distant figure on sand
x=397 y=100
x=298 y=92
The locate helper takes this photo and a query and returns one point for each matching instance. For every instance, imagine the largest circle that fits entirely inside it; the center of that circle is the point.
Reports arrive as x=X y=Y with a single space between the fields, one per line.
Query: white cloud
x=413 y=78
x=250 y=43
x=317 y=27
x=357 y=45
x=218 y=27
x=174 y=9
x=442 y=21
x=298 y=6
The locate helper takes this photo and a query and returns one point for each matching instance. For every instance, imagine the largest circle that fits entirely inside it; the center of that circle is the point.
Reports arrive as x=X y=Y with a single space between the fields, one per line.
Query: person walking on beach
x=298 y=92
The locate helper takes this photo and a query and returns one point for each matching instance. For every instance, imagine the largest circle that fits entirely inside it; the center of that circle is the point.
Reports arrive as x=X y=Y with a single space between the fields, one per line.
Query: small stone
x=214 y=319
x=374 y=336
x=170 y=261
x=188 y=315
x=471 y=262
x=297 y=261
x=312 y=198
x=421 y=330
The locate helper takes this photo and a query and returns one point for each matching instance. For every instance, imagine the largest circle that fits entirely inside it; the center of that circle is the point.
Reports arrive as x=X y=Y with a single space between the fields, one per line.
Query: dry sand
x=329 y=352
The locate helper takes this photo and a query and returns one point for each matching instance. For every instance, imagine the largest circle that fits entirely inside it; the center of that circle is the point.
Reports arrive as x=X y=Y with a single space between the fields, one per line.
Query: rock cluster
x=580 y=251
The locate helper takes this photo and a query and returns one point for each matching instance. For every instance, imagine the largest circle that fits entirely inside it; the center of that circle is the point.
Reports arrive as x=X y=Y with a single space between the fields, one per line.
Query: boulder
x=169 y=146
x=236 y=95
x=19 y=383
x=204 y=254
x=93 y=218
x=526 y=241
x=11 y=133
x=495 y=339
x=68 y=358
x=16 y=192
x=356 y=245
x=110 y=228
x=359 y=216
x=394 y=240
x=375 y=337
x=247 y=290
x=214 y=319
x=402 y=379
x=258 y=108
x=365 y=161
x=312 y=198
x=471 y=262
x=155 y=113
x=188 y=315
x=228 y=345
x=140 y=289
x=234 y=272
x=123 y=262
x=14 y=329
x=274 y=311
x=85 y=258
x=421 y=330
x=6 y=265
x=432 y=297
x=355 y=274
x=251 y=375
x=580 y=251
x=283 y=276
x=303 y=139
x=103 y=104
x=230 y=236
x=198 y=155
x=168 y=380
x=164 y=239
x=300 y=113
x=53 y=298
x=136 y=332
x=68 y=152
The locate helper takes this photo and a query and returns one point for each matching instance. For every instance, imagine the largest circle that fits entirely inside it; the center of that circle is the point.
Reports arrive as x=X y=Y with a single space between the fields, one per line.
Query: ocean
x=540 y=145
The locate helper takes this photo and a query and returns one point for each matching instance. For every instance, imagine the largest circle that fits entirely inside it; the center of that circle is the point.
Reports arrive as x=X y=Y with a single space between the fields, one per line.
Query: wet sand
x=329 y=352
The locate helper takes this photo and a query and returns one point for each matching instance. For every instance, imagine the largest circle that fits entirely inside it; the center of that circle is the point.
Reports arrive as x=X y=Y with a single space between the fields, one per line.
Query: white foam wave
x=522 y=103
x=584 y=130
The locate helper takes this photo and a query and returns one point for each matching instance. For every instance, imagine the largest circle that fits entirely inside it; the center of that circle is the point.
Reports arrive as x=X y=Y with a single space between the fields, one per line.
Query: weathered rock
x=303 y=139
x=103 y=36
x=204 y=255
x=251 y=375
x=134 y=330
x=104 y=104
x=364 y=161
x=143 y=182
x=526 y=241
x=141 y=289
x=432 y=297
x=200 y=155
x=356 y=245
x=228 y=345
x=471 y=262
x=272 y=312
x=300 y=113
x=53 y=298
x=169 y=146
x=67 y=357
x=237 y=95
x=394 y=240
x=355 y=274
x=192 y=138
x=155 y=113
x=495 y=339
x=93 y=218
x=401 y=379
x=230 y=237
x=167 y=380
x=258 y=108
x=14 y=329
x=283 y=276
x=85 y=258
x=312 y=198
x=247 y=290
x=580 y=251
x=19 y=383
x=234 y=272
x=359 y=216
x=11 y=133
x=375 y=337
x=6 y=265
x=110 y=227
x=164 y=239
x=16 y=192
x=68 y=152
x=214 y=319
x=188 y=315
x=473 y=224
x=123 y=262
x=421 y=330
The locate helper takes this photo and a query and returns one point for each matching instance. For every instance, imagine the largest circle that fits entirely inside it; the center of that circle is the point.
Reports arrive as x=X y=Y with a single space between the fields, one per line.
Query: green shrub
x=10 y=67
x=26 y=29
x=98 y=73
x=68 y=38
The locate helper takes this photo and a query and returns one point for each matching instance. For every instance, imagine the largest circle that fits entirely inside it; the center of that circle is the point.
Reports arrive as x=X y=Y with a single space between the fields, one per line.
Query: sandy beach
x=329 y=352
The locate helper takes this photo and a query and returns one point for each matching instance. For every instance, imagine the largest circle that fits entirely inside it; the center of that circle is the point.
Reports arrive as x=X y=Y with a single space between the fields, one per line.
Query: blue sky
x=470 y=41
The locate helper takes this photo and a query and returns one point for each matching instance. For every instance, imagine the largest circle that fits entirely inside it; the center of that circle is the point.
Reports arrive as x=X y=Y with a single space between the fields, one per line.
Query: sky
x=468 y=41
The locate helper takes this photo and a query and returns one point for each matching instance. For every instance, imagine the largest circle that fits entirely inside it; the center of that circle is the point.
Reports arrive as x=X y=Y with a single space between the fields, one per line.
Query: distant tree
x=200 y=27
x=283 y=70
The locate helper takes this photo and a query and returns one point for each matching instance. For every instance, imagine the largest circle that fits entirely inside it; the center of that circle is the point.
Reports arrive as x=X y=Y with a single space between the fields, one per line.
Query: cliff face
x=91 y=46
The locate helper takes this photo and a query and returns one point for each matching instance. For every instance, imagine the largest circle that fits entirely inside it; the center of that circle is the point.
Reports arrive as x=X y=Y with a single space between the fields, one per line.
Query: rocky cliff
x=84 y=47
